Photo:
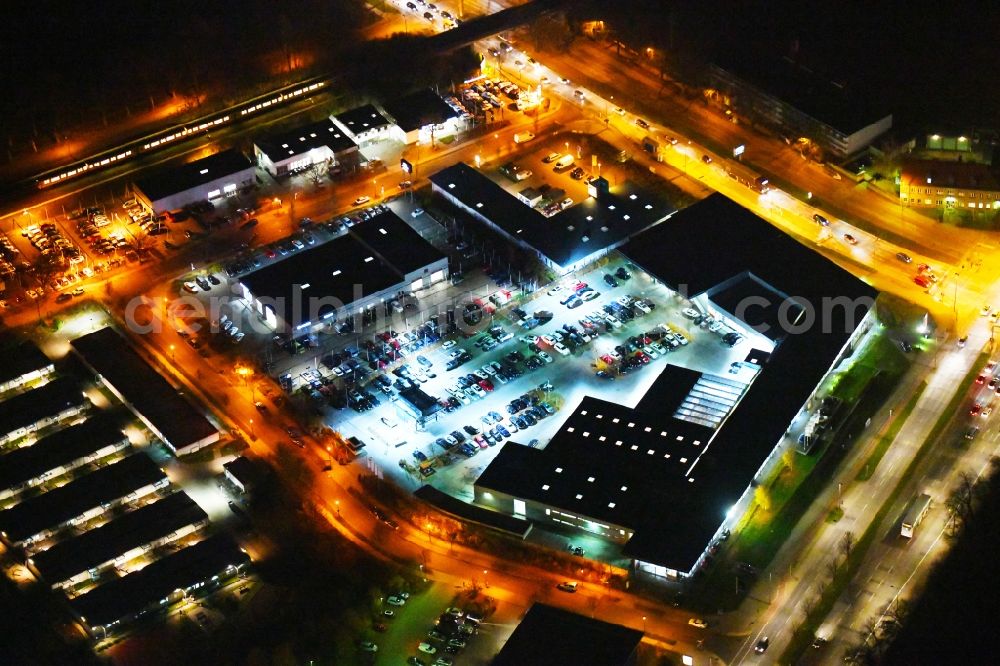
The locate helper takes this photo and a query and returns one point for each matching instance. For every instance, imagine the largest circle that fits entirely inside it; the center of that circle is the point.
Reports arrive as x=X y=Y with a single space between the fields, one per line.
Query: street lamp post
x=643 y=624
x=252 y=433
x=336 y=503
x=171 y=352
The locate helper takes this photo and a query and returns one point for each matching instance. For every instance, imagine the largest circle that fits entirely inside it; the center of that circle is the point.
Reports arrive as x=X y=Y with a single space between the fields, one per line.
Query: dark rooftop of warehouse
x=836 y=103
x=131 y=530
x=55 y=507
x=747 y=298
x=282 y=145
x=130 y=594
x=25 y=409
x=362 y=119
x=676 y=506
x=342 y=270
x=550 y=635
x=60 y=448
x=396 y=242
x=567 y=237
x=187 y=176
x=419 y=109
x=170 y=412
x=22 y=359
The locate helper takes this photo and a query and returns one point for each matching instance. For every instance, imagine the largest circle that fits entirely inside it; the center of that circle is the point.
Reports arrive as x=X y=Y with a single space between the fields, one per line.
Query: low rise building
x=81 y=500
x=668 y=476
x=949 y=184
x=287 y=152
x=245 y=474
x=211 y=178
x=364 y=124
x=565 y=242
x=22 y=365
x=164 y=409
x=28 y=412
x=421 y=116
x=379 y=260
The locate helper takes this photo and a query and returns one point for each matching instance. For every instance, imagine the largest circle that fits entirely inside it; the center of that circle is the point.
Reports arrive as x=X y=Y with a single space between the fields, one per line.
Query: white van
x=564 y=162
x=523 y=137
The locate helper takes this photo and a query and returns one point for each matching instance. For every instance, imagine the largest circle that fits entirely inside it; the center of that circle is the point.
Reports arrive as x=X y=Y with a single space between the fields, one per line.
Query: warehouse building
x=550 y=635
x=136 y=533
x=192 y=570
x=28 y=412
x=571 y=239
x=421 y=117
x=666 y=477
x=380 y=259
x=363 y=124
x=23 y=364
x=322 y=142
x=165 y=410
x=96 y=438
x=211 y=178
x=81 y=500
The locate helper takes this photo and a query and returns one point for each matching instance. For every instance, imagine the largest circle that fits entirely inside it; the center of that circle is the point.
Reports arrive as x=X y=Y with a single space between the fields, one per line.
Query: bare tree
x=961 y=500
x=847 y=544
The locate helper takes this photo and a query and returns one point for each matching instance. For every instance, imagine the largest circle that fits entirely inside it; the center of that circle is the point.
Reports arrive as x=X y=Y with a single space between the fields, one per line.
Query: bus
x=748 y=177
x=915 y=513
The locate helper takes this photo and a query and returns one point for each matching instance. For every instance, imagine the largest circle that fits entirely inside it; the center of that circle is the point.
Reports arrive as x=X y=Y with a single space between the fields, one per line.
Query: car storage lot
x=397 y=447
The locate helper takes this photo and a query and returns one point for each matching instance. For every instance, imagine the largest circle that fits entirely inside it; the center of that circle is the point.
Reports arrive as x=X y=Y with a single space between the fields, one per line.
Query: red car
x=642 y=356
x=579 y=286
x=981 y=379
x=271 y=254
x=976 y=408
x=486 y=385
x=608 y=358
x=922 y=281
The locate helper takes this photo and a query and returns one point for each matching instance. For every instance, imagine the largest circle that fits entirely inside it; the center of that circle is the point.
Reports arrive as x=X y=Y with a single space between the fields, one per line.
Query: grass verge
x=805 y=632
x=887 y=439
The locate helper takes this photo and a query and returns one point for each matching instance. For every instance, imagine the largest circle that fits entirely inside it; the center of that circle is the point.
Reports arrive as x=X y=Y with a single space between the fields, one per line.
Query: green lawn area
x=887 y=439
x=880 y=355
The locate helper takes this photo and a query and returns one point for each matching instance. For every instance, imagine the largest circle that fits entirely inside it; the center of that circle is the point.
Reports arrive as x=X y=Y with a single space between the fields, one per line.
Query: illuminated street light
x=171 y=352
x=337 y=504
x=643 y=624
x=252 y=433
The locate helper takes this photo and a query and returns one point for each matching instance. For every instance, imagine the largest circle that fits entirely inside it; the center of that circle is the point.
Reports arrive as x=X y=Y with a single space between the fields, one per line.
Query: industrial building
x=322 y=142
x=211 y=178
x=245 y=474
x=192 y=570
x=421 y=116
x=164 y=409
x=363 y=124
x=550 y=635
x=28 y=412
x=80 y=500
x=666 y=477
x=62 y=452
x=23 y=364
x=84 y=557
x=380 y=259
x=574 y=238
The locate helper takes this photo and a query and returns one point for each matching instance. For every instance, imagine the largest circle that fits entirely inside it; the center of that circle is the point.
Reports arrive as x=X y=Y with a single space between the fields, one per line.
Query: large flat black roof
x=566 y=237
x=170 y=412
x=282 y=145
x=550 y=635
x=60 y=448
x=130 y=594
x=131 y=530
x=419 y=109
x=347 y=268
x=55 y=507
x=362 y=119
x=25 y=409
x=396 y=242
x=187 y=176
x=671 y=480
x=835 y=103
x=22 y=359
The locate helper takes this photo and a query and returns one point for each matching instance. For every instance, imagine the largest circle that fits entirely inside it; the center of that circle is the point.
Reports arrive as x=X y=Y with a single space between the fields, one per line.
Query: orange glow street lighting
x=252 y=433
x=171 y=352
x=336 y=503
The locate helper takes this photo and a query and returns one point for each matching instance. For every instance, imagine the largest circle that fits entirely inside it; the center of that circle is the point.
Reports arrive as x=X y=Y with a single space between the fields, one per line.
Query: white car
x=545 y=357
x=547 y=340
x=191 y=287
x=590 y=295
x=698 y=622
x=620 y=111
x=489 y=369
x=554 y=290
x=361 y=201
x=613 y=320
x=624 y=301
x=396 y=601
x=417 y=212
x=529 y=339
x=427 y=648
x=478 y=390
x=561 y=348
x=691 y=313
x=642 y=306
x=650 y=352
x=448 y=344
